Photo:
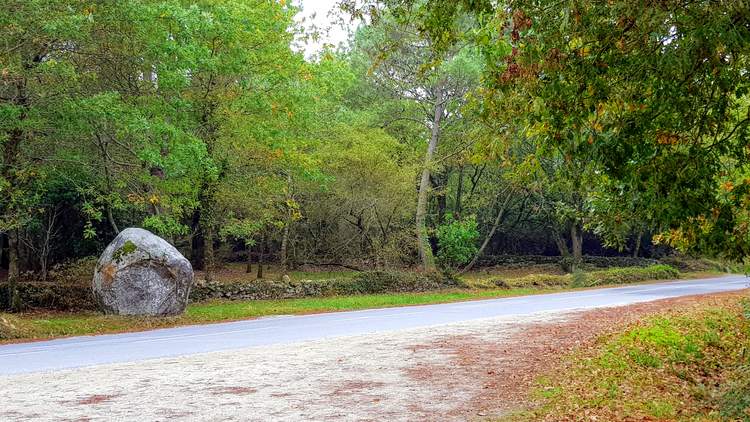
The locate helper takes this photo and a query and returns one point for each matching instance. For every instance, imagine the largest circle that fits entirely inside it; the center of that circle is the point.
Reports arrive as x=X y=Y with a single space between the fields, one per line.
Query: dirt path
x=465 y=371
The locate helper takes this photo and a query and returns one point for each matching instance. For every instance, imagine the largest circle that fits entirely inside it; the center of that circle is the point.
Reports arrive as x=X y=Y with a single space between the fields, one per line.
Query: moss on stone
x=124 y=250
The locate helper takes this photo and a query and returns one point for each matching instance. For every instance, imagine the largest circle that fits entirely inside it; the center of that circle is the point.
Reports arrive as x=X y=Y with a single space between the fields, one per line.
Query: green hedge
x=370 y=282
x=588 y=279
x=55 y=296
x=631 y=275
x=591 y=262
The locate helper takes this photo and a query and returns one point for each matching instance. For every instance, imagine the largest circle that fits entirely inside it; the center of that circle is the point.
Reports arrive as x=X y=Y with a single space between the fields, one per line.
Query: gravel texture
x=387 y=376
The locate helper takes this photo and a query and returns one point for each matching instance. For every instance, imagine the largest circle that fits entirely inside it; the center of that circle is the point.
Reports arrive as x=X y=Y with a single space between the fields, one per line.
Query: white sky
x=316 y=13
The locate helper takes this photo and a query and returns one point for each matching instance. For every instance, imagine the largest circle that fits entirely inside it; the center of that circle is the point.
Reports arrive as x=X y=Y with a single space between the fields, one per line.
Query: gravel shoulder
x=463 y=371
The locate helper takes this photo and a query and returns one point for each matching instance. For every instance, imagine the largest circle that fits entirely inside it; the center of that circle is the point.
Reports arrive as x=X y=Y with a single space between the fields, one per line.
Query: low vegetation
x=580 y=278
x=686 y=365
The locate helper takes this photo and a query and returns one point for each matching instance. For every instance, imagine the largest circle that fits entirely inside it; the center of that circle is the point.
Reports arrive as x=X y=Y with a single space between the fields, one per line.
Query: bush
x=589 y=262
x=579 y=279
x=457 y=241
x=632 y=275
x=533 y=281
x=370 y=282
x=79 y=271
x=11 y=328
x=587 y=279
x=688 y=264
x=63 y=297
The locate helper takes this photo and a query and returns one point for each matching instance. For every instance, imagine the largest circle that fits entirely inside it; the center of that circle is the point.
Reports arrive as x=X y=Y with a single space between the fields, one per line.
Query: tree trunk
x=14 y=300
x=207 y=229
x=208 y=252
x=488 y=238
x=459 y=192
x=423 y=241
x=576 y=240
x=262 y=246
x=111 y=220
x=561 y=245
x=284 y=246
x=249 y=265
x=442 y=205
x=285 y=235
x=196 y=241
x=2 y=247
x=13 y=265
x=637 y=246
x=11 y=151
x=442 y=198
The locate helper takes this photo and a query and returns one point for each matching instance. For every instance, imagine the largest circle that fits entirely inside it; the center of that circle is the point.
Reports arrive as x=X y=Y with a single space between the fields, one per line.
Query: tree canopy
x=442 y=129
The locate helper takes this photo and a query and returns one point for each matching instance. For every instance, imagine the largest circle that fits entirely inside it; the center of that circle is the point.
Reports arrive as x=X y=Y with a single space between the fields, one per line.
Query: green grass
x=691 y=364
x=48 y=325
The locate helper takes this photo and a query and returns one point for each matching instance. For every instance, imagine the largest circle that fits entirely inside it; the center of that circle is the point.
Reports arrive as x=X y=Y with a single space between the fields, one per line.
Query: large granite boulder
x=142 y=274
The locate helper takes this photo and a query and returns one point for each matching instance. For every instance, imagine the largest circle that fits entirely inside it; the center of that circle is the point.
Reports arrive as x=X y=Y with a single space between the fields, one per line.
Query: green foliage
x=457 y=241
x=12 y=328
x=52 y=296
x=690 y=362
x=580 y=278
x=126 y=249
x=199 y=121
x=632 y=275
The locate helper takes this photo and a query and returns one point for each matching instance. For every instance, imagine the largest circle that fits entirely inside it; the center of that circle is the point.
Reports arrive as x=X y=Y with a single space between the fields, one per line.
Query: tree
x=647 y=93
x=236 y=58
x=432 y=88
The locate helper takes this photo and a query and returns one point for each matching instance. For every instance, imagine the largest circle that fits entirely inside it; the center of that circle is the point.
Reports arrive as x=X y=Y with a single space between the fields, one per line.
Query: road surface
x=87 y=351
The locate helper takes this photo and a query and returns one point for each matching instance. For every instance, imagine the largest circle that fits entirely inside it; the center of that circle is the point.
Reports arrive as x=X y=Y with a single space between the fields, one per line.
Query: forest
x=442 y=132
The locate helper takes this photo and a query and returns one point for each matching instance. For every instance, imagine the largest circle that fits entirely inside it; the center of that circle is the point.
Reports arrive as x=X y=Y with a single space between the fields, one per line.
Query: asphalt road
x=95 y=350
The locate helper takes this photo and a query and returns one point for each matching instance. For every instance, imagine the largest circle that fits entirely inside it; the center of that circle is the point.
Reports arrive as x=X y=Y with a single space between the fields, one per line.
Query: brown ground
x=507 y=370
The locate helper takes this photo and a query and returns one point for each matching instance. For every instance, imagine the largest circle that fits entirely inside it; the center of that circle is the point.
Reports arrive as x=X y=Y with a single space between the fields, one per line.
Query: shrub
x=457 y=241
x=689 y=264
x=11 y=327
x=532 y=281
x=579 y=279
x=78 y=271
x=589 y=262
x=632 y=275
x=586 y=279
x=56 y=296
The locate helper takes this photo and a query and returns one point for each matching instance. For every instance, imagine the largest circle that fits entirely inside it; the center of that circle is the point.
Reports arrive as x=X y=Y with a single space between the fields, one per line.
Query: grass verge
x=687 y=365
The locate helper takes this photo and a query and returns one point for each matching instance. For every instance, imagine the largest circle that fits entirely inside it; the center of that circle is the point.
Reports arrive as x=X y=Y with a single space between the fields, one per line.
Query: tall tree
x=432 y=86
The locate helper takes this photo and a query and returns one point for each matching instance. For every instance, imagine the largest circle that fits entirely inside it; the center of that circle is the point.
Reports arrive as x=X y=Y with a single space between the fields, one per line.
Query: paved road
x=95 y=350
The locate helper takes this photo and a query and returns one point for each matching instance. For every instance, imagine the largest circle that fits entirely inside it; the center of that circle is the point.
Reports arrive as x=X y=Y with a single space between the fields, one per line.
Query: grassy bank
x=685 y=365
x=44 y=325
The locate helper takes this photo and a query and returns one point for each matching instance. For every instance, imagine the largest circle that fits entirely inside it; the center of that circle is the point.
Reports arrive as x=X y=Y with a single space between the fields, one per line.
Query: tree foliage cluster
x=443 y=129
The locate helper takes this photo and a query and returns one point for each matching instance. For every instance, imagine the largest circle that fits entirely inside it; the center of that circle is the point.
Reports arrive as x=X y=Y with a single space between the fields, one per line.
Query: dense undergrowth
x=688 y=365
x=581 y=278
